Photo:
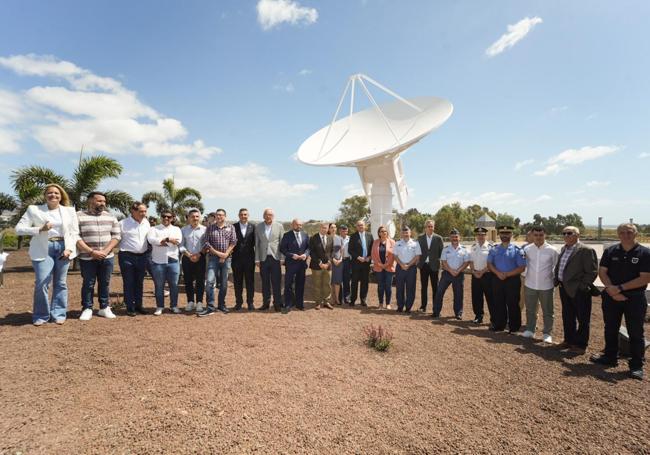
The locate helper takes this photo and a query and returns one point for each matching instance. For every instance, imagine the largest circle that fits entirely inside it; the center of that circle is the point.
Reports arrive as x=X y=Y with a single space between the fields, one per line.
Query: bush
x=378 y=337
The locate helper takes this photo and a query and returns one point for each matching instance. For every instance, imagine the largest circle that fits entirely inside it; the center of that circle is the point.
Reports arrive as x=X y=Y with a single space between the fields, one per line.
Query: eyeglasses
x=568 y=234
x=164 y=217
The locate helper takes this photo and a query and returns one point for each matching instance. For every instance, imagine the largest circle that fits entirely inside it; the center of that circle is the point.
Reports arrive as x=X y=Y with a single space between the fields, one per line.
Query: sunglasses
x=167 y=217
x=568 y=234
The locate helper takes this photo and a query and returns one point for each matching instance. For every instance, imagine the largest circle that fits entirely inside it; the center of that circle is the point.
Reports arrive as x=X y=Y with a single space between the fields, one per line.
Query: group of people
x=340 y=265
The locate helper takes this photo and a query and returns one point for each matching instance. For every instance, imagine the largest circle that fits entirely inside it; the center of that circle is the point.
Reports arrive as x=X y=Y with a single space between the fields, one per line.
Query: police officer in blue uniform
x=625 y=272
x=506 y=261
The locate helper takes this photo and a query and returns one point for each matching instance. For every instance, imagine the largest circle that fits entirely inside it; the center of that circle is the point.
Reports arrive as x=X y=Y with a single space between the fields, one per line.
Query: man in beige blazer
x=575 y=272
x=268 y=258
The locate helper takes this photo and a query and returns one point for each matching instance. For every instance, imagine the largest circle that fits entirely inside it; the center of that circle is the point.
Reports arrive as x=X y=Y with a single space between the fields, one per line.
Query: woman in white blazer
x=55 y=230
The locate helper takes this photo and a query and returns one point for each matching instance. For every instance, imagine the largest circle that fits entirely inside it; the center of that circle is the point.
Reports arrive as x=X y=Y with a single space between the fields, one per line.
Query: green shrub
x=378 y=337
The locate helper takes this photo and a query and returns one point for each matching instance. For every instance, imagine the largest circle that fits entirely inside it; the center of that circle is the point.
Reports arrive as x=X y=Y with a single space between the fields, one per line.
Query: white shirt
x=160 y=253
x=429 y=239
x=243 y=228
x=344 y=248
x=192 y=239
x=540 y=262
x=479 y=254
x=267 y=232
x=54 y=217
x=134 y=235
x=406 y=251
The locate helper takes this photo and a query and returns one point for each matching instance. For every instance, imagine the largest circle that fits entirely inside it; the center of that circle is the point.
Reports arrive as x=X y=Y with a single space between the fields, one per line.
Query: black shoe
x=407 y=311
x=131 y=313
x=263 y=308
x=459 y=317
x=478 y=320
x=422 y=310
x=141 y=310
x=400 y=310
x=351 y=303
x=637 y=374
x=301 y=308
x=494 y=329
x=285 y=310
x=251 y=307
x=206 y=312
x=237 y=307
x=602 y=359
x=363 y=303
x=223 y=309
x=435 y=315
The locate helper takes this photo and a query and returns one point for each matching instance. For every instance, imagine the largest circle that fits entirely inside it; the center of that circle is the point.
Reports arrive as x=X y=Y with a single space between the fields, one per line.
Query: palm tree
x=7 y=202
x=178 y=200
x=29 y=182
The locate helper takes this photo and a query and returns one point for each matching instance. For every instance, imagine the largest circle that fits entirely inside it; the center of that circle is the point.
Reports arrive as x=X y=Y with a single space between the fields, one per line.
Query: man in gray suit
x=431 y=245
x=576 y=270
x=268 y=258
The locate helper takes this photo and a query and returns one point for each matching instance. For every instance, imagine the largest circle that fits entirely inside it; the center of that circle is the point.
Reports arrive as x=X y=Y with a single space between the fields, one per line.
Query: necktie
x=298 y=238
x=322 y=239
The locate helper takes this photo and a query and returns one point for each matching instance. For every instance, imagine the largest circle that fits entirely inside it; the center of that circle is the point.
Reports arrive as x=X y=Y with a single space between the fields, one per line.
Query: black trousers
x=244 y=272
x=482 y=289
x=427 y=276
x=360 y=274
x=634 y=309
x=194 y=278
x=576 y=317
x=271 y=274
x=506 y=303
x=344 y=293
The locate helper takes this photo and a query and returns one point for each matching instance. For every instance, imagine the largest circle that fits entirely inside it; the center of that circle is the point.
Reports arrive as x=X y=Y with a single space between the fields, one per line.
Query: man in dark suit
x=431 y=246
x=359 y=250
x=295 y=248
x=243 y=261
x=575 y=271
x=320 y=252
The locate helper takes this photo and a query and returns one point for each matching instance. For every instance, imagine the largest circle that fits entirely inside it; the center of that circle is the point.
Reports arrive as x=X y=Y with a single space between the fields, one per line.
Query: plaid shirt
x=563 y=261
x=97 y=231
x=220 y=238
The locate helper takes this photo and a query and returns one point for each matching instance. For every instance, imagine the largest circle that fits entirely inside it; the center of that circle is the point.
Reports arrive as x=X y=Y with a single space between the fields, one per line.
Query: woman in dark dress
x=337 y=263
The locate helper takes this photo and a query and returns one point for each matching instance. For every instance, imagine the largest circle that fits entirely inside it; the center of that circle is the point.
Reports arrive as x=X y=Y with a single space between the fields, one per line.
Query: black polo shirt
x=623 y=266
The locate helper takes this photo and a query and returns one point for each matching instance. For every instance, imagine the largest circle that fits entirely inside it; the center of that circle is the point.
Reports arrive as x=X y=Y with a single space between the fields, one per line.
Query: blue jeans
x=51 y=269
x=132 y=268
x=384 y=285
x=169 y=273
x=92 y=271
x=216 y=270
x=406 y=285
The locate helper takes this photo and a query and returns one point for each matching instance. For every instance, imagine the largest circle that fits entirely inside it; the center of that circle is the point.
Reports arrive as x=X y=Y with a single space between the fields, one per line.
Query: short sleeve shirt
x=506 y=259
x=455 y=257
x=623 y=266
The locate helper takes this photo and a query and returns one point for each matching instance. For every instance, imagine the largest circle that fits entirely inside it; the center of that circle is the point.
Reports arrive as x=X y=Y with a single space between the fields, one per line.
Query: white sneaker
x=189 y=307
x=547 y=338
x=176 y=310
x=166 y=293
x=106 y=313
x=199 y=307
x=86 y=314
x=528 y=334
x=158 y=312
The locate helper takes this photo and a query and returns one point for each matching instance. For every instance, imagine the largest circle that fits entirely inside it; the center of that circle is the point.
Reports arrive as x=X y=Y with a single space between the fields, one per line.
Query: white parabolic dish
x=364 y=136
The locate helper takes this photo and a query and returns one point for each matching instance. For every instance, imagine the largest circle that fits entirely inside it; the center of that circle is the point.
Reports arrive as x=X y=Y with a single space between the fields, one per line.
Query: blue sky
x=551 y=99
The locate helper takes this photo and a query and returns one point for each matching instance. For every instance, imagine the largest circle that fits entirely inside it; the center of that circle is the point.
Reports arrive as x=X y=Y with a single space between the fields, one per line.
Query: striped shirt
x=97 y=231
x=220 y=238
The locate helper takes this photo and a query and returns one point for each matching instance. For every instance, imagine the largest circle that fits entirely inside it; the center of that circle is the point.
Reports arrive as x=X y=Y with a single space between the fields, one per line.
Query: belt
x=55 y=239
x=132 y=253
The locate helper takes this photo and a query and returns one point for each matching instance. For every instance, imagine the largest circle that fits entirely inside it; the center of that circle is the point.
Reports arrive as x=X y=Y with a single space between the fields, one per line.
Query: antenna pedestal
x=377 y=180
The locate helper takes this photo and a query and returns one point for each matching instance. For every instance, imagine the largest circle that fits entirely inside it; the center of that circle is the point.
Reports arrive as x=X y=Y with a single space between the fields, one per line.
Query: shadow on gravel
x=17 y=319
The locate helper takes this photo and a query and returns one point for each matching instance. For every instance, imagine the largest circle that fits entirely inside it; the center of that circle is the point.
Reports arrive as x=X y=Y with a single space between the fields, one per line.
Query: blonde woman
x=55 y=231
x=383 y=264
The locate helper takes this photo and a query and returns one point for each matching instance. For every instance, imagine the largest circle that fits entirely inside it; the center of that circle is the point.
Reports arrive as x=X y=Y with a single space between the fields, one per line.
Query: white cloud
x=271 y=13
x=557 y=109
x=543 y=197
x=352 y=189
x=515 y=34
x=289 y=88
x=644 y=155
x=9 y=141
x=238 y=182
x=90 y=110
x=305 y=72
x=521 y=164
x=572 y=157
x=597 y=184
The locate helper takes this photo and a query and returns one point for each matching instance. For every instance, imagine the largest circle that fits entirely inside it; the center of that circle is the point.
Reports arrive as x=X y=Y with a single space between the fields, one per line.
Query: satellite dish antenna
x=372 y=141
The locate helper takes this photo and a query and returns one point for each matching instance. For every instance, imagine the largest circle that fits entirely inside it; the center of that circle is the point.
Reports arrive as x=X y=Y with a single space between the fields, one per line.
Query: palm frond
x=187 y=193
x=119 y=200
x=90 y=172
x=29 y=182
x=7 y=202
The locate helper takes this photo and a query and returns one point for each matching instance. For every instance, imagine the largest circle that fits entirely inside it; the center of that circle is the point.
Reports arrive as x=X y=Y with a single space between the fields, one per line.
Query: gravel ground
x=301 y=383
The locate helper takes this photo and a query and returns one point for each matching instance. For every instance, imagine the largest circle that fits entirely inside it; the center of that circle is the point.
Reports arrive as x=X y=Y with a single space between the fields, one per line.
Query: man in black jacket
x=243 y=261
x=359 y=249
x=431 y=245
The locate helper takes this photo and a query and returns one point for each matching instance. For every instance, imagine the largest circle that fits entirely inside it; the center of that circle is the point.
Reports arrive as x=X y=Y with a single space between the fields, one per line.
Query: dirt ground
x=301 y=383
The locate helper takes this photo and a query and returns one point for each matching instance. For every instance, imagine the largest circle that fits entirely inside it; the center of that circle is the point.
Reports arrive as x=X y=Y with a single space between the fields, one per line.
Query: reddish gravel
x=300 y=383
